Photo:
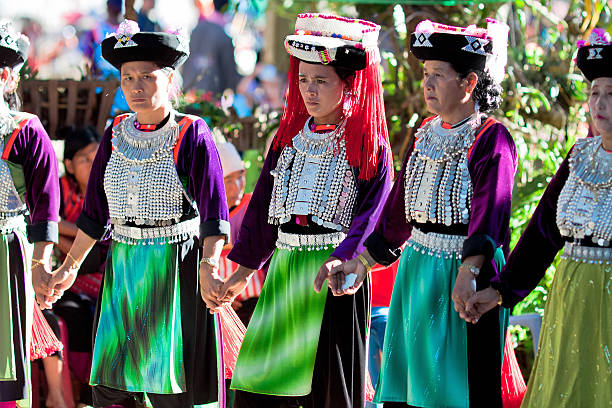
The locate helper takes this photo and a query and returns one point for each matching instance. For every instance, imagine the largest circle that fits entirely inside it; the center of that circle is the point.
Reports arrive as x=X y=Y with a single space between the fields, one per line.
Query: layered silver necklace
x=140 y=181
x=314 y=178
x=584 y=208
x=438 y=187
x=11 y=204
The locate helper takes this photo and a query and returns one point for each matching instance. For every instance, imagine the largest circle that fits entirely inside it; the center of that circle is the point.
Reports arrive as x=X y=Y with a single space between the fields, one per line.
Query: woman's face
x=322 y=91
x=145 y=85
x=80 y=164
x=234 y=187
x=443 y=90
x=600 y=103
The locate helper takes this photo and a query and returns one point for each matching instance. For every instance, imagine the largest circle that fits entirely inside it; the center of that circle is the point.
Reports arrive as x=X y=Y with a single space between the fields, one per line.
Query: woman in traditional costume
x=324 y=179
x=156 y=187
x=452 y=203
x=29 y=194
x=573 y=367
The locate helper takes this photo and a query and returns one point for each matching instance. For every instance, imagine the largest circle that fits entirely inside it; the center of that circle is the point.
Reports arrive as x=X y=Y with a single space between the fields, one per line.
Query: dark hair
x=487 y=92
x=77 y=138
x=344 y=73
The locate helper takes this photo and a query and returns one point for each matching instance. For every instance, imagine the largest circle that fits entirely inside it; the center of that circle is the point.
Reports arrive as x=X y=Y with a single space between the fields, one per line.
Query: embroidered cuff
x=379 y=249
x=92 y=227
x=215 y=227
x=480 y=244
x=46 y=231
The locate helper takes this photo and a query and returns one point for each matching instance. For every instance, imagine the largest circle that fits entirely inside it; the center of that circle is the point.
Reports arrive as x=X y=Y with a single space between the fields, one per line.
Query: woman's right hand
x=62 y=279
x=338 y=274
x=235 y=284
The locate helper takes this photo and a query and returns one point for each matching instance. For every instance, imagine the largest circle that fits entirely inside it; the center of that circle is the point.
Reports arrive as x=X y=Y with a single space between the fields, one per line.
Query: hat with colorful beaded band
x=594 y=57
x=13 y=46
x=130 y=44
x=464 y=47
x=332 y=40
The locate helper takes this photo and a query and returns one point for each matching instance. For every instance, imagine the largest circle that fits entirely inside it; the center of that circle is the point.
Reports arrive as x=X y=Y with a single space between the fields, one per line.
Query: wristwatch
x=210 y=261
x=472 y=268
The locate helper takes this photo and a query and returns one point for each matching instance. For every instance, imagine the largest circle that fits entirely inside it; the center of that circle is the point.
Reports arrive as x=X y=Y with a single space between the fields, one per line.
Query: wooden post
x=130 y=13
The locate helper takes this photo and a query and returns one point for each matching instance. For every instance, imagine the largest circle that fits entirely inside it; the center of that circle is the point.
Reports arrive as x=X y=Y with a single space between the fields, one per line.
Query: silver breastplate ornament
x=10 y=201
x=438 y=187
x=140 y=181
x=584 y=207
x=314 y=178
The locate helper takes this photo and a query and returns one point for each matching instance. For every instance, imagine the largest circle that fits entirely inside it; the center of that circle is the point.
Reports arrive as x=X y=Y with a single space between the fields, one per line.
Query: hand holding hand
x=62 y=279
x=482 y=301
x=41 y=277
x=465 y=287
x=210 y=286
x=235 y=284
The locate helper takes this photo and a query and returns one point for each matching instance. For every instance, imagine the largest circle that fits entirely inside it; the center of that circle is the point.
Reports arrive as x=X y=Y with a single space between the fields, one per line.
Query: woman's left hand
x=210 y=286
x=465 y=287
x=324 y=272
x=41 y=277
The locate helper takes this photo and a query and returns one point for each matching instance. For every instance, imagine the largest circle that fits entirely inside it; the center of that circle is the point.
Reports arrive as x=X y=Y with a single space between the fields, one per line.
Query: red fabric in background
x=513 y=383
x=383 y=278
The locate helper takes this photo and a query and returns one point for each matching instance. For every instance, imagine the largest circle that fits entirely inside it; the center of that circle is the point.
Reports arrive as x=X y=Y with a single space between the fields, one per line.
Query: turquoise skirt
x=425 y=358
x=425 y=349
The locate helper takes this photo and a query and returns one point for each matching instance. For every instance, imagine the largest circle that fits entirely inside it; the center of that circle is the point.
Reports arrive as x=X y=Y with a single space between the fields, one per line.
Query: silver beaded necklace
x=314 y=178
x=584 y=207
x=10 y=202
x=140 y=181
x=438 y=187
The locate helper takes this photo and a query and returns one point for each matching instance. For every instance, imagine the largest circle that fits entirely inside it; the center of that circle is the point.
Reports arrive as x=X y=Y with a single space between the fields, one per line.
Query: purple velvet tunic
x=537 y=246
x=492 y=165
x=199 y=168
x=33 y=152
x=257 y=238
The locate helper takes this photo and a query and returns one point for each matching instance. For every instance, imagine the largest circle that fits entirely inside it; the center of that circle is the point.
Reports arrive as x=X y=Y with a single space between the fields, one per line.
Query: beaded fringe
x=439 y=245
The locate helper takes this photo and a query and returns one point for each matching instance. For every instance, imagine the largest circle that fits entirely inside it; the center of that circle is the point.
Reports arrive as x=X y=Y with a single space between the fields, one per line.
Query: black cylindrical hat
x=594 y=56
x=129 y=44
x=13 y=46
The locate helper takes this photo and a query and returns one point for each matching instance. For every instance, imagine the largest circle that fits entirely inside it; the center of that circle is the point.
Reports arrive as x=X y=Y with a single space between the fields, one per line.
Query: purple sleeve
x=94 y=219
x=33 y=151
x=257 y=238
x=536 y=248
x=492 y=167
x=198 y=161
x=371 y=197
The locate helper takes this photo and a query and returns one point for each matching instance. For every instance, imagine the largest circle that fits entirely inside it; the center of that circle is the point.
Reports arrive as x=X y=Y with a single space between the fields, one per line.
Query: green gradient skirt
x=139 y=344
x=278 y=353
x=574 y=363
